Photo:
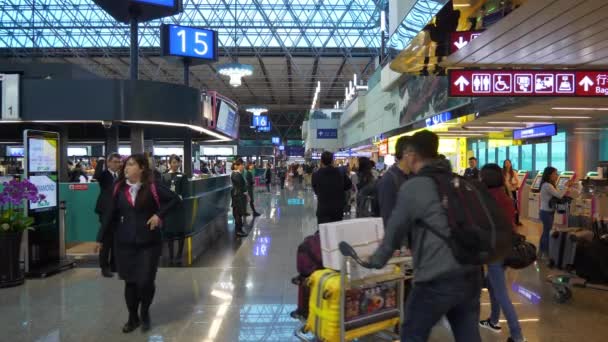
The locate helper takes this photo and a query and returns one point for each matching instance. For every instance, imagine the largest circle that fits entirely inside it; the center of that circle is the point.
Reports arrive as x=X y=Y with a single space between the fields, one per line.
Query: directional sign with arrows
x=515 y=83
x=461 y=39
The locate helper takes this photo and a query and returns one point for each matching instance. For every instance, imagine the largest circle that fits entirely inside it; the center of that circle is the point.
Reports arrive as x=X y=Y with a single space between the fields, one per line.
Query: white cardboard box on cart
x=363 y=234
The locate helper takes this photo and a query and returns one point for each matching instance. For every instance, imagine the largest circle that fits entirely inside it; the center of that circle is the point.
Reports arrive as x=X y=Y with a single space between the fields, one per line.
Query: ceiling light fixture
x=579 y=108
x=551 y=117
x=256 y=110
x=173 y=124
x=236 y=71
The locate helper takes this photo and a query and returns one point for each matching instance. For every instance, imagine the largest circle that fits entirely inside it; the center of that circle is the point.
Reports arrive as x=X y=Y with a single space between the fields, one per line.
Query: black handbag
x=523 y=253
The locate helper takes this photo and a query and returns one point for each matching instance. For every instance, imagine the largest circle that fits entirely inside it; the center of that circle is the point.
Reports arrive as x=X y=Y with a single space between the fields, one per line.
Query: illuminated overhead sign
x=327 y=133
x=383 y=149
x=260 y=121
x=438 y=119
x=535 y=132
x=264 y=128
x=189 y=42
x=276 y=140
x=164 y=3
x=462 y=39
x=515 y=83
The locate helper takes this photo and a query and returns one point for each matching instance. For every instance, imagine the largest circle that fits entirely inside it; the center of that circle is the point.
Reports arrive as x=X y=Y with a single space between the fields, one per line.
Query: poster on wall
x=422 y=97
x=42 y=155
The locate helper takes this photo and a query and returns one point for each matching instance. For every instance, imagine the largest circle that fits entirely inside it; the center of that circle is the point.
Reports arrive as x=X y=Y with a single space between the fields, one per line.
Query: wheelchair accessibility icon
x=502 y=83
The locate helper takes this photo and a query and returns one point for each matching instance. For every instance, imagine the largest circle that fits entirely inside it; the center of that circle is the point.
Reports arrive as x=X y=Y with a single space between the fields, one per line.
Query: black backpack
x=370 y=205
x=480 y=233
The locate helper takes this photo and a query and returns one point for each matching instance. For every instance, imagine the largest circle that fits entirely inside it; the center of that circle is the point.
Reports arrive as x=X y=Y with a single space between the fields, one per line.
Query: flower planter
x=10 y=266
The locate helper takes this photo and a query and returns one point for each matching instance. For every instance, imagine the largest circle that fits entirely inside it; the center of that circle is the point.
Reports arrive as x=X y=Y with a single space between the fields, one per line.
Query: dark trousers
x=180 y=249
x=282 y=183
x=139 y=298
x=514 y=195
x=238 y=211
x=251 y=198
x=547 y=218
x=457 y=298
x=106 y=253
x=268 y=185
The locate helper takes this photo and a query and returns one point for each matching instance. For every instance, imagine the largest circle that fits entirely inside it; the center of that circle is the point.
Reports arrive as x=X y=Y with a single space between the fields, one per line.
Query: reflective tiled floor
x=241 y=291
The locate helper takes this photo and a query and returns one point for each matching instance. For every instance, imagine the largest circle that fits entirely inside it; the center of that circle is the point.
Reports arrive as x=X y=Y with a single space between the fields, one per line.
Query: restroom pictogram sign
x=515 y=83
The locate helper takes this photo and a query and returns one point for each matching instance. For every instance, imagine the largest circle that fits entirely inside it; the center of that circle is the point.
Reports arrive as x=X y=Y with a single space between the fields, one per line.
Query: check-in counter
x=199 y=220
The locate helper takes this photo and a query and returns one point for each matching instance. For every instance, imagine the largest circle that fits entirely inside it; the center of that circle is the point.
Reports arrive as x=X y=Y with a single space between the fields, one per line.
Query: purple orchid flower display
x=12 y=199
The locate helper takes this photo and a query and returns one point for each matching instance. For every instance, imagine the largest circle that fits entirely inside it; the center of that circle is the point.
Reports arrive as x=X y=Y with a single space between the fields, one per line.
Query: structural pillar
x=112 y=140
x=188 y=153
x=137 y=139
x=187 y=72
x=134 y=67
x=63 y=154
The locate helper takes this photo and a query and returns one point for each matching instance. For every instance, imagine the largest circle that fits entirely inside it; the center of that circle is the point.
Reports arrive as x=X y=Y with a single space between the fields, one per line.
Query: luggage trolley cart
x=383 y=323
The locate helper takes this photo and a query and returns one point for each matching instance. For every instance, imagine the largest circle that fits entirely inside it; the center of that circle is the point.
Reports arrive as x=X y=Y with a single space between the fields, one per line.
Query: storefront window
x=541 y=157
x=558 y=151
x=526 y=157
x=502 y=155
x=514 y=157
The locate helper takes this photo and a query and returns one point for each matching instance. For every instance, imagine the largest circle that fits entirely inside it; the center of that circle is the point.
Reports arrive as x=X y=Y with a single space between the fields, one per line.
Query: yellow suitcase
x=324 y=305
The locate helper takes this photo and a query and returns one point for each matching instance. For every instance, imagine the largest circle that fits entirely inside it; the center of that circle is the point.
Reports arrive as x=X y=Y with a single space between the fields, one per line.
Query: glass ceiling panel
x=287 y=24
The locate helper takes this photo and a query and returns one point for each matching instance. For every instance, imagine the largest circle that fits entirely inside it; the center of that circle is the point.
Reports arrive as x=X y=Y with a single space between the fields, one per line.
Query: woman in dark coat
x=136 y=212
x=178 y=183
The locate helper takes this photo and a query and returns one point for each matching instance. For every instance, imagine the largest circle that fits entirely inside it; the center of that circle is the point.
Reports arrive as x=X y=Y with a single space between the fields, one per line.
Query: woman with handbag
x=512 y=184
x=135 y=213
x=548 y=191
x=492 y=177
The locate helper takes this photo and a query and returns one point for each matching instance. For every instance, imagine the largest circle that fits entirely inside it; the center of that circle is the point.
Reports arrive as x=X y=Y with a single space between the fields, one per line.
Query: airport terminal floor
x=241 y=291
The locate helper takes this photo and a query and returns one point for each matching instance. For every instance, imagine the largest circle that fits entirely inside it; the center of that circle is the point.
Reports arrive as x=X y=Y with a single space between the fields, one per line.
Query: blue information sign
x=276 y=140
x=535 y=132
x=327 y=133
x=260 y=121
x=438 y=119
x=164 y=3
x=189 y=42
x=264 y=128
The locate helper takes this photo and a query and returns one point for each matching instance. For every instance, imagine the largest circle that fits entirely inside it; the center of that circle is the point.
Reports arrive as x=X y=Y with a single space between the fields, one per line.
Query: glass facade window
x=541 y=156
x=481 y=158
x=491 y=156
x=514 y=157
x=558 y=151
x=526 y=157
x=502 y=155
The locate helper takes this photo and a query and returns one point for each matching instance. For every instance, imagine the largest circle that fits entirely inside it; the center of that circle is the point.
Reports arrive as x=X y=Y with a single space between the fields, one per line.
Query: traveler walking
x=512 y=184
x=329 y=184
x=492 y=176
x=137 y=207
x=472 y=172
x=239 y=197
x=106 y=179
x=367 y=202
x=442 y=286
x=250 y=187
x=548 y=190
x=394 y=177
x=282 y=173
x=178 y=183
x=268 y=176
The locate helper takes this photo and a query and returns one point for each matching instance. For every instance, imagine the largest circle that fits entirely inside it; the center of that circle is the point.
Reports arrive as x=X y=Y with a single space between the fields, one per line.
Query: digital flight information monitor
x=189 y=42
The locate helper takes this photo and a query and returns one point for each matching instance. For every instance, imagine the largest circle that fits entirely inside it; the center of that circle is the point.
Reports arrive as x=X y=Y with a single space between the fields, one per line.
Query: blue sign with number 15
x=189 y=42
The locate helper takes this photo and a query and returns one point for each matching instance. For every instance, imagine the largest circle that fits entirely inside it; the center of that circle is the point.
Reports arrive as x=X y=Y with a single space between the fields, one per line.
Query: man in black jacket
x=472 y=172
x=239 y=197
x=250 y=187
x=390 y=183
x=330 y=185
x=106 y=179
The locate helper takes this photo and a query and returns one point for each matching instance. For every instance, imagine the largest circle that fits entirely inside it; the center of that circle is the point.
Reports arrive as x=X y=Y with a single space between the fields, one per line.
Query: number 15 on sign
x=189 y=42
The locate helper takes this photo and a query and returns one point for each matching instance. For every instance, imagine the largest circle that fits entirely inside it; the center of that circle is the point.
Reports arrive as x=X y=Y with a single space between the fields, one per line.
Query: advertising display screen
x=227 y=119
x=42 y=154
x=189 y=42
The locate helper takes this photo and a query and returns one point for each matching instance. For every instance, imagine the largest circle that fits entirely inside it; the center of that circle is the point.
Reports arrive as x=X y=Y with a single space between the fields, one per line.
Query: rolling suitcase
x=573 y=240
x=557 y=242
x=324 y=315
x=308 y=261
